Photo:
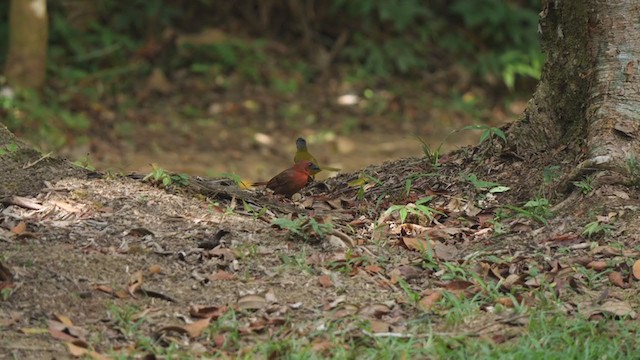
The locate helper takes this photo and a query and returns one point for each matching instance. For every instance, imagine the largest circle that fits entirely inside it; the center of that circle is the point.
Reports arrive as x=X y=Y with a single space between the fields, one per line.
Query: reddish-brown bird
x=291 y=180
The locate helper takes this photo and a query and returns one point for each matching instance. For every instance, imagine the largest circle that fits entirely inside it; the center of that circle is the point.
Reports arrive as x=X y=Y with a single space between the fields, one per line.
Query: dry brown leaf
x=20 y=228
x=373 y=269
x=77 y=350
x=445 y=252
x=251 y=302
x=379 y=326
x=193 y=330
x=65 y=206
x=511 y=280
x=6 y=278
x=598 y=265
x=59 y=331
x=207 y=311
x=458 y=285
x=105 y=289
x=417 y=244
x=135 y=282
x=505 y=301
x=636 y=269
x=219 y=340
x=611 y=307
x=63 y=319
x=196 y=328
x=374 y=311
x=427 y=302
x=221 y=275
x=325 y=281
x=321 y=345
x=616 y=279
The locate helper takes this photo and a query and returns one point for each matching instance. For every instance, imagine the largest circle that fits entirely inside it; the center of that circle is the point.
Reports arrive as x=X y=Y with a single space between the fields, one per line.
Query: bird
x=302 y=153
x=291 y=180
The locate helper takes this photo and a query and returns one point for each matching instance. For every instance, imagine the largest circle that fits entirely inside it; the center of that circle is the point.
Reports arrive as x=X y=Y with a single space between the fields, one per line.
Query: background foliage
x=101 y=48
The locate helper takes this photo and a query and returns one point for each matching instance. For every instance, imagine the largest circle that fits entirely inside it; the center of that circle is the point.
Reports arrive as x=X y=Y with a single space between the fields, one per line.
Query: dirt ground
x=114 y=265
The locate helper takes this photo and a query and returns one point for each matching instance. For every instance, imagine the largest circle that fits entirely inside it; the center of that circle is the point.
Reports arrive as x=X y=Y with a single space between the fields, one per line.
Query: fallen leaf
x=66 y=206
x=77 y=350
x=379 y=326
x=213 y=312
x=221 y=275
x=616 y=279
x=63 y=319
x=325 y=281
x=251 y=302
x=445 y=252
x=597 y=265
x=155 y=269
x=6 y=278
x=636 y=269
x=193 y=330
x=197 y=327
x=345 y=310
x=458 y=285
x=372 y=269
x=427 y=302
x=219 y=340
x=135 y=282
x=417 y=244
x=611 y=307
x=20 y=228
x=505 y=301
x=374 y=311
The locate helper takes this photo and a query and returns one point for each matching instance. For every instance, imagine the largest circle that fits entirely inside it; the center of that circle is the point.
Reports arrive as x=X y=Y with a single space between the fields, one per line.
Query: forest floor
x=413 y=259
x=475 y=253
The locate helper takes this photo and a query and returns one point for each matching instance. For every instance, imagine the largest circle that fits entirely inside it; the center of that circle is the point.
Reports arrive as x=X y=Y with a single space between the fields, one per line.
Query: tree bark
x=25 y=66
x=589 y=93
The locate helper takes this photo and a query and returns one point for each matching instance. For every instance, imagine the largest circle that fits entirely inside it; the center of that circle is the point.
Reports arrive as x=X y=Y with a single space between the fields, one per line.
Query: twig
x=28 y=165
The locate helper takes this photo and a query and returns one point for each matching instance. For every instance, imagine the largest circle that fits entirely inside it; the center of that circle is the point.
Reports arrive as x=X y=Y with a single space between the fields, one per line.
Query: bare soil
x=105 y=263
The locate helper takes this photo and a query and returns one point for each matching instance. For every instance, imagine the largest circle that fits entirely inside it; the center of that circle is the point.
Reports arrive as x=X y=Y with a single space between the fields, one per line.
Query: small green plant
x=125 y=319
x=237 y=179
x=595 y=228
x=159 y=175
x=5 y=293
x=9 y=148
x=586 y=185
x=85 y=163
x=432 y=155
x=634 y=169
x=490 y=133
x=536 y=209
x=550 y=174
x=251 y=210
x=418 y=208
x=539 y=207
x=486 y=185
x=414 y=296
x=304 y=227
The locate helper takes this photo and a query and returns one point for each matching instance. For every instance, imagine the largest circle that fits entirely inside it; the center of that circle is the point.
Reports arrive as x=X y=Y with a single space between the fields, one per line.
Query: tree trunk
x=589 y=94
x=28 y=32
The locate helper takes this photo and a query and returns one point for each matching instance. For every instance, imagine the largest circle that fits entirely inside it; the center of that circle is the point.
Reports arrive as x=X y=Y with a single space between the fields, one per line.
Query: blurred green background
x=211 y=87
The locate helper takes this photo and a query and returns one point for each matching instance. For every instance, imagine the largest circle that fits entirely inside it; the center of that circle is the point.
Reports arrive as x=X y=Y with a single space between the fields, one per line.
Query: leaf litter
x=108 y=242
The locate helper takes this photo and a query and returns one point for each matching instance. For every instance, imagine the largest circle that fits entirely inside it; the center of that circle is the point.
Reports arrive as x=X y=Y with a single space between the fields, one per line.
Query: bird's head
x=301 y=144
x=307 y=166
